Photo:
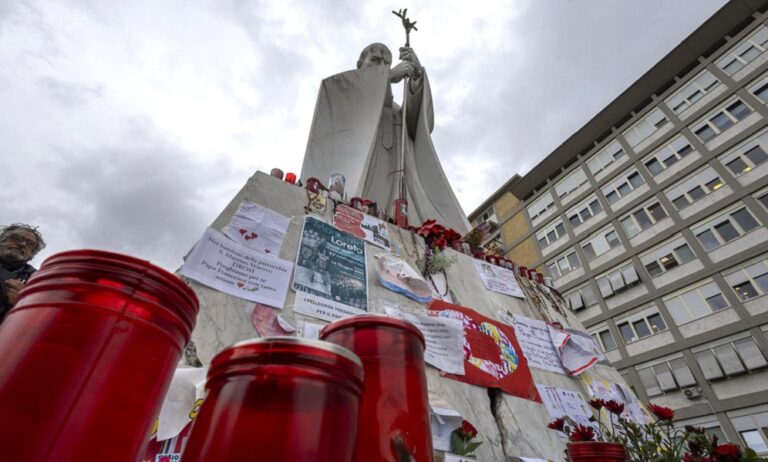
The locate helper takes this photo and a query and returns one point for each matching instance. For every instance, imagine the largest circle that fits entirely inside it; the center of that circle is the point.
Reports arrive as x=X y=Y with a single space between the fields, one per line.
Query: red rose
x=727 y=452
x=582 y=433
x=441 y=243
x=614 y=407
x=662 y=413
x=468 y=429
x=597 y=403
x=557 y=424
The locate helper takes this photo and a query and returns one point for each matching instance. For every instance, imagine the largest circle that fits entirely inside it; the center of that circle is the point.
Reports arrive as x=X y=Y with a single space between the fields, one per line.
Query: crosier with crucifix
x=400 y=205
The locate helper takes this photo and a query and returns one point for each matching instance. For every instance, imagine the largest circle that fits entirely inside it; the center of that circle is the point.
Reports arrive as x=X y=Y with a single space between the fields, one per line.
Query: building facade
x=652 y=221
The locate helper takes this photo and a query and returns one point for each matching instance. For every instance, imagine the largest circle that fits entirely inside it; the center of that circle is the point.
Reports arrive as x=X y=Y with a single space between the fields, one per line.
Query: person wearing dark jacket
x=19 y=243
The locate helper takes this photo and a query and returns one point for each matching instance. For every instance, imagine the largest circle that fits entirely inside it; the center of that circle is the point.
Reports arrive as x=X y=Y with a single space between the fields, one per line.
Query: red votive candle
x=86 y=356
x=394 y=410
x=278 y=399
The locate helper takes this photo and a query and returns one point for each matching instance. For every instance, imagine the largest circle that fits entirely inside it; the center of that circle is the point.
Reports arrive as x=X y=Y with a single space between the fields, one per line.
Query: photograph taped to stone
x=398 y=276
x=330 y=266
x=362 y=225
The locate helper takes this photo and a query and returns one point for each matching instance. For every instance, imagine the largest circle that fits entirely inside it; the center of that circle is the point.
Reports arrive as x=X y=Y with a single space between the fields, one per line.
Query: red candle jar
x=278 y=399
x=86 y=356
x=290 y=178
x=394 y=410
x=277 y=173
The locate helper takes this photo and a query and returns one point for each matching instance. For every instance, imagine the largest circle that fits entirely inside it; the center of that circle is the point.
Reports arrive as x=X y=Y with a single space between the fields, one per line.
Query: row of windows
x=663 y=158
x=716 y=362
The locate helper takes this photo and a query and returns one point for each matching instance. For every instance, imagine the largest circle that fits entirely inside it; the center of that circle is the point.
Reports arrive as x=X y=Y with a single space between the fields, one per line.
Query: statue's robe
x=356 y=132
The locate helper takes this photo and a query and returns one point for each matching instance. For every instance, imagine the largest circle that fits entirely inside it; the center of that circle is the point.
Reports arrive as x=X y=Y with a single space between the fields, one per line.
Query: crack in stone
x=495 y=399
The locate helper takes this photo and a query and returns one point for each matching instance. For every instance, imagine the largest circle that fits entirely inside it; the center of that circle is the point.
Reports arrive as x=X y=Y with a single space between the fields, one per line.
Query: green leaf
x=472 y=446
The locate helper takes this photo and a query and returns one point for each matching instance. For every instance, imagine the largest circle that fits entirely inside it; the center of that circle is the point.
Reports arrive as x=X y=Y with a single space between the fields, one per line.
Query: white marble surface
x=515 y=427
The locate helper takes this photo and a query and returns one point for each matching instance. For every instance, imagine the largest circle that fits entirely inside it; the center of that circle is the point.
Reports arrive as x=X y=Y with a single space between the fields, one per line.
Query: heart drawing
x=251 y=236
x=242 y=231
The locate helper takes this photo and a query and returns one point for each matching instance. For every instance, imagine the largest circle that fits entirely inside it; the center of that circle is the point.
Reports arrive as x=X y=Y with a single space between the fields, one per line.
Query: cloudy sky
x=128 y=125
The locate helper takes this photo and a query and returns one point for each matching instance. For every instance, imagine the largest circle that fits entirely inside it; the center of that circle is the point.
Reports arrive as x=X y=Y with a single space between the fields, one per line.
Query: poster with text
x=361 y=225
x=331 y=278
x=498 y=279
x=258 y=228
x=492 y=356
x=533 y=336
x=229 y=267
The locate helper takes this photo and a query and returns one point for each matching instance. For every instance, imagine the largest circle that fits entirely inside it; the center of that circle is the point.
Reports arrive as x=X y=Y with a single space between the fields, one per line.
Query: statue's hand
x=398 y=72
x=408 y=55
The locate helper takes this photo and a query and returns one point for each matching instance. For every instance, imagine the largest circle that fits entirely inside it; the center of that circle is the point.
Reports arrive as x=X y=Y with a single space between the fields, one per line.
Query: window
x=744 y=52
x=730 y=358
x=666 y=376
x=605 y=339
x=667 y=156
x=599 y=243
x=641 y=325
x=692 y=92
x=583 y=297
x=605 y=157
x=763 y=199
x=645 y=127
x=617 y=280
x=584 y=211
x=540 y=206
x=642 y=218
x=563 y=264
x=754 y=441
x=488 y=215
x=721 y=120
x=623 y=185
x=747 y=156
x=725 y=228
x=570 y=183
x=667 y=256
x=550 y=233
x=749 y=282
x=694 y=187
x=759 y=88
x=694 y=303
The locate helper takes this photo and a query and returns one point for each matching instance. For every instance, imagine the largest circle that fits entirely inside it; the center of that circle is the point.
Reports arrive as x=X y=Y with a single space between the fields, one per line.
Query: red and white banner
x=492 y=356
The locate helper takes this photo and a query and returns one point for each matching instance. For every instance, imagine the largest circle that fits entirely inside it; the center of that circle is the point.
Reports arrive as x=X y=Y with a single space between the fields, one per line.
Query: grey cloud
x=142 y=196
x=69 y=93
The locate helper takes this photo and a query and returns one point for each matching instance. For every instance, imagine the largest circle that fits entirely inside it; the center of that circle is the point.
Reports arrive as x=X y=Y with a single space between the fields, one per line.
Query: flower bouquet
x=616 y=438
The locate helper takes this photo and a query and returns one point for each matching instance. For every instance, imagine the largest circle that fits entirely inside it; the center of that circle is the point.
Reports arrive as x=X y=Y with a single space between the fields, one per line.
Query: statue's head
x=374 y=54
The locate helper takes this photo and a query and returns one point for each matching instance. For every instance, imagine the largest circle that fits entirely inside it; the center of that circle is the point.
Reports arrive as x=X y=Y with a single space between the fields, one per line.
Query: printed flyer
x=331 y=277
x=229 y=267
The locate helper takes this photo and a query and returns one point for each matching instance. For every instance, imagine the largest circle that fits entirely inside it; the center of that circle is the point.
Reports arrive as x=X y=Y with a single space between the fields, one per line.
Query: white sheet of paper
x=236 y=270
x=309 y=330
x=322 y=308
x=179 y=401
x=498 y=279
x=533 y=337
x=444 y=339
x=455 y=458
x=561 y=402
x=258 y=228
x=443 y=421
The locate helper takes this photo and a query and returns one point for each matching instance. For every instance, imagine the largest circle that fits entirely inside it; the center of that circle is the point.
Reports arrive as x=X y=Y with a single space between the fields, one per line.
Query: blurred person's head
x=20 y=243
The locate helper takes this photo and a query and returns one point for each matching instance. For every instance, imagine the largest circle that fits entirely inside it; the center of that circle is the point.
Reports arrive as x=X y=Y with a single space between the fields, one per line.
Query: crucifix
x=400 y=206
